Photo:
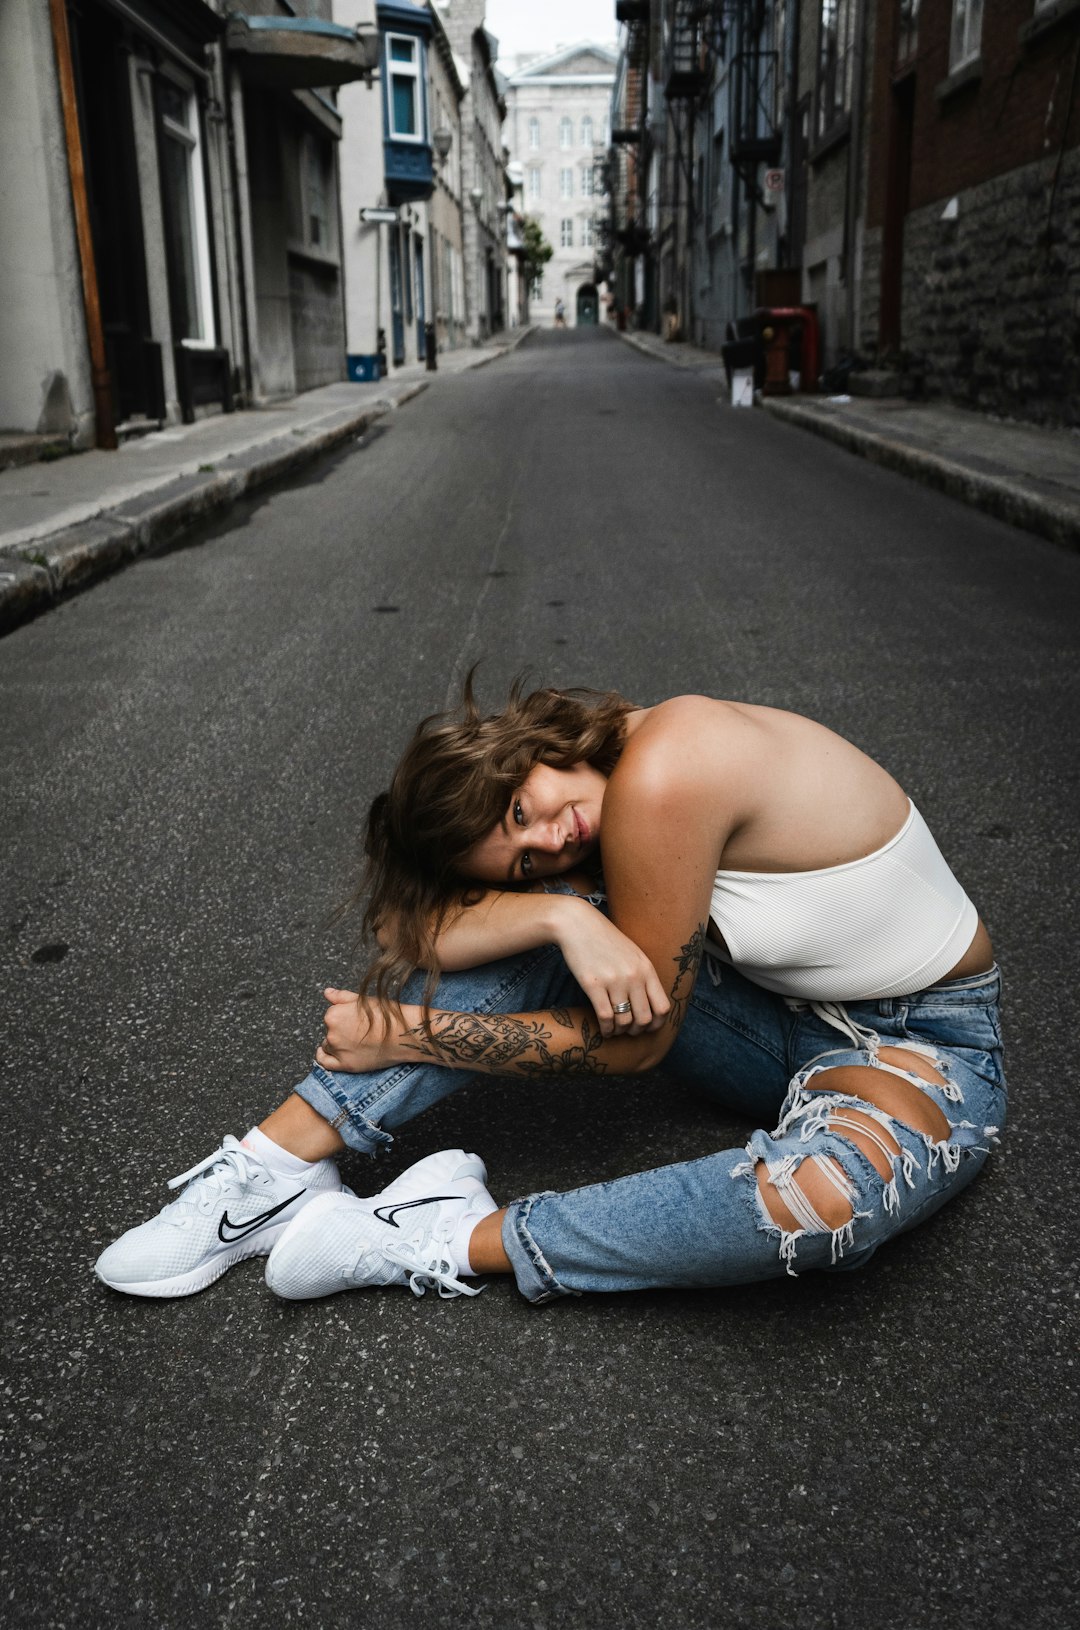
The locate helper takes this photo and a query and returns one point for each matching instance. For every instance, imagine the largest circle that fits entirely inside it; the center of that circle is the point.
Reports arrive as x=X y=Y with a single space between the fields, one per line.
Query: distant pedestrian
x=560 y=314
x=779 y=928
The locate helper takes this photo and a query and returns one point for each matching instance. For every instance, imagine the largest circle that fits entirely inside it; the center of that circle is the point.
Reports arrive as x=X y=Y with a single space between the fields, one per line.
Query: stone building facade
x=169 y=240
x=922 y=157
x=972 y=267
x=557 y=120
x=483 y=166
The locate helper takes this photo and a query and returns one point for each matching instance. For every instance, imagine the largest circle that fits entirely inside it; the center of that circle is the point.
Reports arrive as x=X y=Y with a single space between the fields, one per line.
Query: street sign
x=379 y=217
x=774 y=180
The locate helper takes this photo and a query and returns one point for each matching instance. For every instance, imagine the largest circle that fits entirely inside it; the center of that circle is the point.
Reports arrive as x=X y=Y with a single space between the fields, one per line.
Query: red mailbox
x=789 y=344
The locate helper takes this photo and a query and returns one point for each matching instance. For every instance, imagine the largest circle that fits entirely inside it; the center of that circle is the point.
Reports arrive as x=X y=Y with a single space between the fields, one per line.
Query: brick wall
x=1013 y=111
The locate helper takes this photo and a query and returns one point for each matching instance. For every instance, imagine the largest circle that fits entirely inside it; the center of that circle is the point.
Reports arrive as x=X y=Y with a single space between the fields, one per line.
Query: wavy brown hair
x=453 y=784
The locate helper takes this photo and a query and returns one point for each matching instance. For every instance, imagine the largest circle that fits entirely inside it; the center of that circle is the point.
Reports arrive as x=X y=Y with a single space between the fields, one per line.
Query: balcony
x=298 y=53
x=755 y=136
x=408 y=160
x=687 y=77
x=410 y=172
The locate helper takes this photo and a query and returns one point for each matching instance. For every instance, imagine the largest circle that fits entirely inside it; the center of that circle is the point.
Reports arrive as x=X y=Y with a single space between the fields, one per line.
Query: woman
x=780 y=930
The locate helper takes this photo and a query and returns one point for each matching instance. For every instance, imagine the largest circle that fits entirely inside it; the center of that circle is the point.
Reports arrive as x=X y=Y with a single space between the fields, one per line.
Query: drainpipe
x=854 y=168
x=239 y=186
x=105 y=431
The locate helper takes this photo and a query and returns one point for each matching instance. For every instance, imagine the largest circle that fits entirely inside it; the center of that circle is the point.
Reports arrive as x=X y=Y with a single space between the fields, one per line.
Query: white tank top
x=887 y=925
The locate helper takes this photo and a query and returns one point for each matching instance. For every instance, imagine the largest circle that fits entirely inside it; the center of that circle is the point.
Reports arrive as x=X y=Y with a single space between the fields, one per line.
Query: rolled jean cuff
x=535 y=1277
x=321 y=1090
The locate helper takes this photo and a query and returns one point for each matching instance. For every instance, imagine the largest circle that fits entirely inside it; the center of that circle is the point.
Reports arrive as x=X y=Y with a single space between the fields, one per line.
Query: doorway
x=103 y=91
x=587 y=307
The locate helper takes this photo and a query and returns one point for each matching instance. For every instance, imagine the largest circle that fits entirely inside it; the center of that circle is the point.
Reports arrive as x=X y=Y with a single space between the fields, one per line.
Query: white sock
x=277 y=1158
x=459 y=1244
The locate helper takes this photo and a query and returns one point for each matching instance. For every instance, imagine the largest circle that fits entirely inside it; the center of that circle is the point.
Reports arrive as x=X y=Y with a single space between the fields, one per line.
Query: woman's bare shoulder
x=684 y=742
x=681 y=721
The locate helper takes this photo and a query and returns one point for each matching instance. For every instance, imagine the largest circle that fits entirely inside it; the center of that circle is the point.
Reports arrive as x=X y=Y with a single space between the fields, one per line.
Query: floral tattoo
x=686 y=963
x=493 y=1042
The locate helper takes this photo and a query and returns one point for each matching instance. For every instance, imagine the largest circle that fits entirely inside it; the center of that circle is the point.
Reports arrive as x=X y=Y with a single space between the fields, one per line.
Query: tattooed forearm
x=572 y=1060
x=499 y=1041
x=477 y=1038
x=686 y=972
x=562 y=1014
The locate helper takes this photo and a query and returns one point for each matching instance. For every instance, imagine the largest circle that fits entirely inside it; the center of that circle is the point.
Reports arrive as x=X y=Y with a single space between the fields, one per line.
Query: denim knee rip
x=816 y=1116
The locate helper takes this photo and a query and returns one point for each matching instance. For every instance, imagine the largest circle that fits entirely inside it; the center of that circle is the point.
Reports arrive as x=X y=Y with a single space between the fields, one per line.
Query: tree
x=537 y=250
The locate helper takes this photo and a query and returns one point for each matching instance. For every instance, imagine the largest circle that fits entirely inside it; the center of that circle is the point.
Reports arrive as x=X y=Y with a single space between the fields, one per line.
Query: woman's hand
x=612 y=970
x=357 y=1036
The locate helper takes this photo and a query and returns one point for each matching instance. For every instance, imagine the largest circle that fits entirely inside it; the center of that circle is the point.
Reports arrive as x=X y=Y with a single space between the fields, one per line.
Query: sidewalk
x=1020 y=473
x=68 y=522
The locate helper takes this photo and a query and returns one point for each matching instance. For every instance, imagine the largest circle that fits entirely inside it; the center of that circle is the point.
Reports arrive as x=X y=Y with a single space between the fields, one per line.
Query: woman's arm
x=662 y=835
x=503 y=922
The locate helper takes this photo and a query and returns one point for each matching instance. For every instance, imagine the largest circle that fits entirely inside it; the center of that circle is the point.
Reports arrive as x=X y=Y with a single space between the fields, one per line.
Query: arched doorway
x=588 y=304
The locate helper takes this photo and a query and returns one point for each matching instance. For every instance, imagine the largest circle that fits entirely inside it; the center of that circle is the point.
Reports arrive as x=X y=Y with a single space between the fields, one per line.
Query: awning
x=294 y=53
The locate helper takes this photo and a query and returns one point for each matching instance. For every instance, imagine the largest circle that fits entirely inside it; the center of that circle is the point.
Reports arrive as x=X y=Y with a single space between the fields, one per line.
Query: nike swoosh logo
x=387 y=1214
x=228 y=1231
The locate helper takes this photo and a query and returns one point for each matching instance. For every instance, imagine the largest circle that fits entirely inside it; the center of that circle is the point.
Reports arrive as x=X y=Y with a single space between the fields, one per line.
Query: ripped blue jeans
x=702 y=1222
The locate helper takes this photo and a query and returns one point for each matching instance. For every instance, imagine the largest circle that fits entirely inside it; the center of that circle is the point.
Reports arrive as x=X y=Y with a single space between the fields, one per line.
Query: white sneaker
x=233 y=1207
x=398 y=1237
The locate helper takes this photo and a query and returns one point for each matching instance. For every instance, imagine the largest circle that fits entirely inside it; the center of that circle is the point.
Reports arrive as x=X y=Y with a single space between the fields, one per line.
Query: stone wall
x=991 y=313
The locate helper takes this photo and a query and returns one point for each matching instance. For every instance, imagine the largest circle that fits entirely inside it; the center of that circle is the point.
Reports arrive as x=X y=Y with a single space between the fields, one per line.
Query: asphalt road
x=188 y=751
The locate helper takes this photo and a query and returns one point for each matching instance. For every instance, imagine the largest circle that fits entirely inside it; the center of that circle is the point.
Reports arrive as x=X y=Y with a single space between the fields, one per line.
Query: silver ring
x=621 y=1007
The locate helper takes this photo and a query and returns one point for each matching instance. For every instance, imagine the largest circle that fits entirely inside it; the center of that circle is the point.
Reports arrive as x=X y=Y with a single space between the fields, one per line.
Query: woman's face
x=551 y=825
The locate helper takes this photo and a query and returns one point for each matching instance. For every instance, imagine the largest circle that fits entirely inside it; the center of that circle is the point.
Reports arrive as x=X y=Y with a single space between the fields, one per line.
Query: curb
x=1058 y=523
x=34 y=575
x=504 y=351
x=670 y=355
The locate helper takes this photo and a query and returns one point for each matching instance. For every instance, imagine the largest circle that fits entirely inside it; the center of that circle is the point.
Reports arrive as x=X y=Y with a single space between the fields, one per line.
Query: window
x=834 y=64
x=566 y=183
x=534 y=133
x=186 y=236
x=720 y=171
x=586 y=132
x=534 y=183
x=316 y=183
x=907 y=30
x=566 y=132
x=404 y=81
x=966 y=36
x=566 y=234
x=587 y=233
x=587 y=181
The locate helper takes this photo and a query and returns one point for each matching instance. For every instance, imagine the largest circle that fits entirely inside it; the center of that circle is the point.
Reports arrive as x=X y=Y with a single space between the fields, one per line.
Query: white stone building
x=557 y=113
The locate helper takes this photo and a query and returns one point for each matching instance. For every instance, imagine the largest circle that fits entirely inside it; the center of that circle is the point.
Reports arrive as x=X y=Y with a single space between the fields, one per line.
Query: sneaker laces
x=427 y=1264
x=231 y=1163
x=429 y=1269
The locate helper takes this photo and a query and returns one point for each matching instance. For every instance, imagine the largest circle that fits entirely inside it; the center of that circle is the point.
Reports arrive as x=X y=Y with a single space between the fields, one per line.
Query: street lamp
x=442 y=140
